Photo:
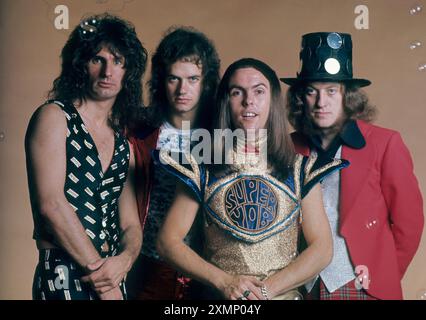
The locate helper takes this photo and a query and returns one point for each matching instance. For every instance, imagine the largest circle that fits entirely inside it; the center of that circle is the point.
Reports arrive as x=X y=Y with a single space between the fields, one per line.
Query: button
x=372 y=224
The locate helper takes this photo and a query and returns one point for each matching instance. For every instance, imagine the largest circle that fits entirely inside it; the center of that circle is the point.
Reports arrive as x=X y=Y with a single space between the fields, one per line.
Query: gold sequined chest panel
x=252 y=223
x=251 y=219
x=259 y=259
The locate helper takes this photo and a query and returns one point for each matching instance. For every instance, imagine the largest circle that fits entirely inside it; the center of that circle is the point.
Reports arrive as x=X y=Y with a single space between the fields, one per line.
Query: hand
x=242 y=288
x=105 y=274
x=113 y=294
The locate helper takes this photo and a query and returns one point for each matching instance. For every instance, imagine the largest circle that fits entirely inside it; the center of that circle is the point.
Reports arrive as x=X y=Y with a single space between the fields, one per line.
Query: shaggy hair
x=184 y=44
x=355 y=106
x=120 y=38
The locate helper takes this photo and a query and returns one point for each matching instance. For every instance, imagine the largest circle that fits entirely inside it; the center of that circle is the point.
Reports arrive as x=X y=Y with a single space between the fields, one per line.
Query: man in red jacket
x=375 y=207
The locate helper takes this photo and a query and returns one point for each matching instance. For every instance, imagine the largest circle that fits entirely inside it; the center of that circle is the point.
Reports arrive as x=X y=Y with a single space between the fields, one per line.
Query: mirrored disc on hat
x=300 y=65
x=349 y=66
x=332 y=66
x=313 y=41
x=318 y=65
x=334 y=40
x=319 y=41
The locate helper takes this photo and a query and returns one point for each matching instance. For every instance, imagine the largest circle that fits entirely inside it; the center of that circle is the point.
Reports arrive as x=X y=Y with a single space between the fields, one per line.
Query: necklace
x=250 y=156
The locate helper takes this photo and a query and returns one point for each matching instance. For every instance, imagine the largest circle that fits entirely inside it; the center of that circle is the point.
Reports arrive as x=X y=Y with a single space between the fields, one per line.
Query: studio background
x=269 y=30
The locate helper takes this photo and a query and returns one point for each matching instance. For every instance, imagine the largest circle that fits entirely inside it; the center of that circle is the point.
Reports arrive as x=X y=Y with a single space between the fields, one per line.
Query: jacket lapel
x=355 y=176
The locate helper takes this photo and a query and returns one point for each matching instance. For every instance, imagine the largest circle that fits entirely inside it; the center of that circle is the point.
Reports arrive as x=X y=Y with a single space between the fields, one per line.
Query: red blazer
x=381 y=207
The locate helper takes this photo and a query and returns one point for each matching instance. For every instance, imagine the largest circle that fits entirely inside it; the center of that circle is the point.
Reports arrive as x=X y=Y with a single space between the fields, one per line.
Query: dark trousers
x=152 y=279
x=57 y=277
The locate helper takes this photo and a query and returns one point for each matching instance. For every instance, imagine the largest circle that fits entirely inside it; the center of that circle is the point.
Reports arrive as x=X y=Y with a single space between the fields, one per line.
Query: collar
x=174 y=139
x=350 y=135
x=168 y=126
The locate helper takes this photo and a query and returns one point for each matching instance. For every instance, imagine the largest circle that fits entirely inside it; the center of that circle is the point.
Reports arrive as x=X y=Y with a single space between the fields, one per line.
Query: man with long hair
x=252 y=205
x=374 y=207
x=184 y=78
x=84 y=208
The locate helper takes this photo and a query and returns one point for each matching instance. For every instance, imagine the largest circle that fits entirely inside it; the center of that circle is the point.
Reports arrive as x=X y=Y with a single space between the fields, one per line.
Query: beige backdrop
x=269 y=30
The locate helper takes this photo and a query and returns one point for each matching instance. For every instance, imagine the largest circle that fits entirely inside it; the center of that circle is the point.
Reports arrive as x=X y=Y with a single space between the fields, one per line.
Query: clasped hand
x=105 y=276
x=239 y=287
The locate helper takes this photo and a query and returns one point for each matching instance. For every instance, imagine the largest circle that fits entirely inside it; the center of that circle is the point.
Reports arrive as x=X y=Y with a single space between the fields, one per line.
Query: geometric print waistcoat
x=91 y=193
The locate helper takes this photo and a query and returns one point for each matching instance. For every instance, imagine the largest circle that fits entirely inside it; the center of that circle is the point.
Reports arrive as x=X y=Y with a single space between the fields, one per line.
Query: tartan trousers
x=346 y=292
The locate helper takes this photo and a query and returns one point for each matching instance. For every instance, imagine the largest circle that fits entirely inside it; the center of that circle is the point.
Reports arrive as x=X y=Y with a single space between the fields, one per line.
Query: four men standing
x=97 y=194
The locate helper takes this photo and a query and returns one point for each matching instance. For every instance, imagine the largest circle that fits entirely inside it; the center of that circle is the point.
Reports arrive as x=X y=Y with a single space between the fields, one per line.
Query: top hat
x=326 y=57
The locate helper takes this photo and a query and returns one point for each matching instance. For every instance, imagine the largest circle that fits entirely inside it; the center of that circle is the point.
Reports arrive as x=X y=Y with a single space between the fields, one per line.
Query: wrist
x=127 y=260
x=220 y=281
x=89 y=267
x=265 y=292
x=269 y=289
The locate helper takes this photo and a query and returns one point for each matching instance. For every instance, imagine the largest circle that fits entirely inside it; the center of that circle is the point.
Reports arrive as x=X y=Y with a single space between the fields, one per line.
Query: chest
x=104 y=141
x=251 y=207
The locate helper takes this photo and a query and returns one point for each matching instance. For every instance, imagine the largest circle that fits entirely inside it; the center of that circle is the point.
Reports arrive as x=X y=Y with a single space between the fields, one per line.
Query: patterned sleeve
x=184 y=167
x=310 y=175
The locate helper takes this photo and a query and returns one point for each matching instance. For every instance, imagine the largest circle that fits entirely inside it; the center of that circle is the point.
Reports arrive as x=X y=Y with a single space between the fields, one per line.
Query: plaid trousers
x=347 y=292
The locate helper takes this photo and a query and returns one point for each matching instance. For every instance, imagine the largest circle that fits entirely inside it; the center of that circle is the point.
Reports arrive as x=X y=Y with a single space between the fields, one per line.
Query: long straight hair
x=280 y=150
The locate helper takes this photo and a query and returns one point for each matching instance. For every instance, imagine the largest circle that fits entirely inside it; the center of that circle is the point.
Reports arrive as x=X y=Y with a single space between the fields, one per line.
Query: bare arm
x=46 y=165
x=110 y=272
x=131 y=240
x=317 y=255
x=171 y=246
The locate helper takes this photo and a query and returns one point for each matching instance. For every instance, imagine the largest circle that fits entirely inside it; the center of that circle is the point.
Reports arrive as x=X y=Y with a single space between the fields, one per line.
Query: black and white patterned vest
x=92 y=193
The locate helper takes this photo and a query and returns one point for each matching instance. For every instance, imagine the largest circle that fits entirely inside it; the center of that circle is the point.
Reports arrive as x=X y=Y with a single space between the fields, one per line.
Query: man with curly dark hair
x=184 y=78
x=374 y=207
x=84 y=208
